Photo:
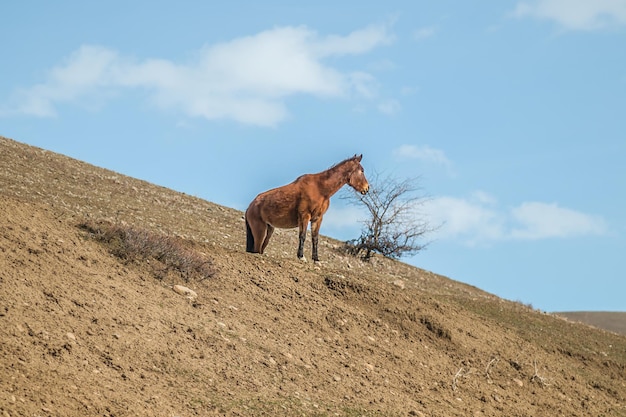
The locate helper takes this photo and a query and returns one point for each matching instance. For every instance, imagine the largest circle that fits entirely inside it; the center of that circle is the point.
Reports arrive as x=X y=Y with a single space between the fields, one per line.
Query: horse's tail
x=249 y=238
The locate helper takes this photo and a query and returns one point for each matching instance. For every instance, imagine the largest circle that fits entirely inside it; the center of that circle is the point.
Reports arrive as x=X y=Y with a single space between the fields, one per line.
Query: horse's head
x=356 y=177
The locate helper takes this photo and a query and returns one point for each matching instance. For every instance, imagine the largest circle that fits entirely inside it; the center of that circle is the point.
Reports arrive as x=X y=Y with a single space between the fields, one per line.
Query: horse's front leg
x=315 y=232
x=302 y=237
x=303 y=223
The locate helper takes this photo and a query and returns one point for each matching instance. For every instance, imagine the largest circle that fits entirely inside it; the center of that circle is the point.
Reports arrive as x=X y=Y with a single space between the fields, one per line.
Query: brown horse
x=295 y=205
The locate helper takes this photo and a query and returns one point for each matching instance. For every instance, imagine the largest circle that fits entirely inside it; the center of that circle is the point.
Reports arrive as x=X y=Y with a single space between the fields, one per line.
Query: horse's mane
x=330 y=171
x=343 y=162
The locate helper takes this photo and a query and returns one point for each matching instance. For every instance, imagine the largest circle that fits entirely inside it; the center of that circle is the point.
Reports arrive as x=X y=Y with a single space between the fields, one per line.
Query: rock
x=185 y=291
x=399 y=283
x=519 y=382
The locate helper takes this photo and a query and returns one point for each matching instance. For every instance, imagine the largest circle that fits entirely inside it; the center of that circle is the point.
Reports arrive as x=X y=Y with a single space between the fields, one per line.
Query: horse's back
x=282 y=206
x=278 y=206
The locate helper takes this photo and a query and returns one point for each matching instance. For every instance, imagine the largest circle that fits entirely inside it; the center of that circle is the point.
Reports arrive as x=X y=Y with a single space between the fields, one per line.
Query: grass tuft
x=132 y=244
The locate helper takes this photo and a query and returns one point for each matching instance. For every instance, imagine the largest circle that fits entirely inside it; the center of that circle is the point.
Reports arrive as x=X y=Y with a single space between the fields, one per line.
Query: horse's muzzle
x=365 y=190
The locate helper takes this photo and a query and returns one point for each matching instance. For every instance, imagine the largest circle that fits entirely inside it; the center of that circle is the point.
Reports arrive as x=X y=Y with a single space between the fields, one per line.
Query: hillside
x=86 y=331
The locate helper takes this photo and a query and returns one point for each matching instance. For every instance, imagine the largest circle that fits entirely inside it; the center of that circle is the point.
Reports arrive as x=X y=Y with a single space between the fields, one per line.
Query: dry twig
x=538 y=378
x=458 y=374
x=492 y=363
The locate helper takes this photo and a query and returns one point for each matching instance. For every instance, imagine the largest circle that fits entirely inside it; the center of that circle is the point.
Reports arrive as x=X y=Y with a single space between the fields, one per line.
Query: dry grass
x=133 y=244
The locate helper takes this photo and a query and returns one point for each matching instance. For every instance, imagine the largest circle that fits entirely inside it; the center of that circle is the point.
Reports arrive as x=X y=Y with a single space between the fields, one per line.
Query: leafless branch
x=394 y=226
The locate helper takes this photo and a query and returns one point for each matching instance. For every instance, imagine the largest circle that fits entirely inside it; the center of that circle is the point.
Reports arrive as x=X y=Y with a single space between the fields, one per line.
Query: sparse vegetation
x=134 y=244
x=394 y=227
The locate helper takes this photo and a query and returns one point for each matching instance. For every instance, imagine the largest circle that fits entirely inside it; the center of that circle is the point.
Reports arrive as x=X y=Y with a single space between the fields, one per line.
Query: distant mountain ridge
x=608 y=320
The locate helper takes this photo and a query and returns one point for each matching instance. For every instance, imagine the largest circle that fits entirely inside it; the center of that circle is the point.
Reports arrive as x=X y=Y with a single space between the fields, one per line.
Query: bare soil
x=84 y=332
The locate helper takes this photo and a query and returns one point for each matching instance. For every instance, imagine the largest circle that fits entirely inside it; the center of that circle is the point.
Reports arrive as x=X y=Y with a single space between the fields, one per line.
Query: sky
x=511 y=114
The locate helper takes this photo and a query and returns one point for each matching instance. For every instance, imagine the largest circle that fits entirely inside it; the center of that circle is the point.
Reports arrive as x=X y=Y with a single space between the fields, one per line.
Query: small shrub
x=394 y=225
x=137 y=245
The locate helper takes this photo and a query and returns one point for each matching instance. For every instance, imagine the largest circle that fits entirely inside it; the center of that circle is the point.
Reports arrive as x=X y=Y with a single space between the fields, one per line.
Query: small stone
x=337 y=378
x=179 y=289
x=519 y=382
x=399 y=283
x=70 y=336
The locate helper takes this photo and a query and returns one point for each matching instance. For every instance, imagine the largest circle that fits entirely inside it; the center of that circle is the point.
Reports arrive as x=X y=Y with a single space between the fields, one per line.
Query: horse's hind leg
x=260 y=233
x=249 y=238
x=268 y=235
x=257 y=229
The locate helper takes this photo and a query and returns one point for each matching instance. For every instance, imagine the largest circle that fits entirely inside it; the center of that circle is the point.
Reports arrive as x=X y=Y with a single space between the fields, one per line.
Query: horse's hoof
x=303 y=259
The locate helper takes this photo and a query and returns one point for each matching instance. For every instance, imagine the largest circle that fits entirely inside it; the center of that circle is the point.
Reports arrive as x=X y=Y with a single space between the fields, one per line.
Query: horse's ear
x=358 y=158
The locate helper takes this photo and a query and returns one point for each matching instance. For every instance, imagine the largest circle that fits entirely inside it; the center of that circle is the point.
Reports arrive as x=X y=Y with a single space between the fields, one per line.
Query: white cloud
x=363 y=84
x=357 y=42
x=479 y=220
x=471 y=221
x=389 y=106
x=246 y=79
x=536 y=220
x=576 y=14
x=84 y=72
x=424 y=33
x=423 y=153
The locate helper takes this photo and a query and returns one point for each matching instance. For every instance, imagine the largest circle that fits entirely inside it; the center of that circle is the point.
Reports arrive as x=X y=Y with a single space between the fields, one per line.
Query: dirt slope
x=83 y=332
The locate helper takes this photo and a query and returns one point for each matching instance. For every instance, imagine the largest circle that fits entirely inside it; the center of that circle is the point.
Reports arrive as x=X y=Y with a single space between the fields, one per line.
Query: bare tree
x=394 y=226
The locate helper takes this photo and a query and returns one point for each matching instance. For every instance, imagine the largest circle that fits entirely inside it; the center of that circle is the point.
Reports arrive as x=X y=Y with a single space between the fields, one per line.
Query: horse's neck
x=332 y=180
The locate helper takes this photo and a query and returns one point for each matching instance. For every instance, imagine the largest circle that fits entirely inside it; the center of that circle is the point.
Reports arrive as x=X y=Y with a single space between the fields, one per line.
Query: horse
x=295 y=205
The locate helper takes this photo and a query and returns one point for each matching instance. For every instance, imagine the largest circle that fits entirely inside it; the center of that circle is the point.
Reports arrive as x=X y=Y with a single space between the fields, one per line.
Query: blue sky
x=512 y=113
